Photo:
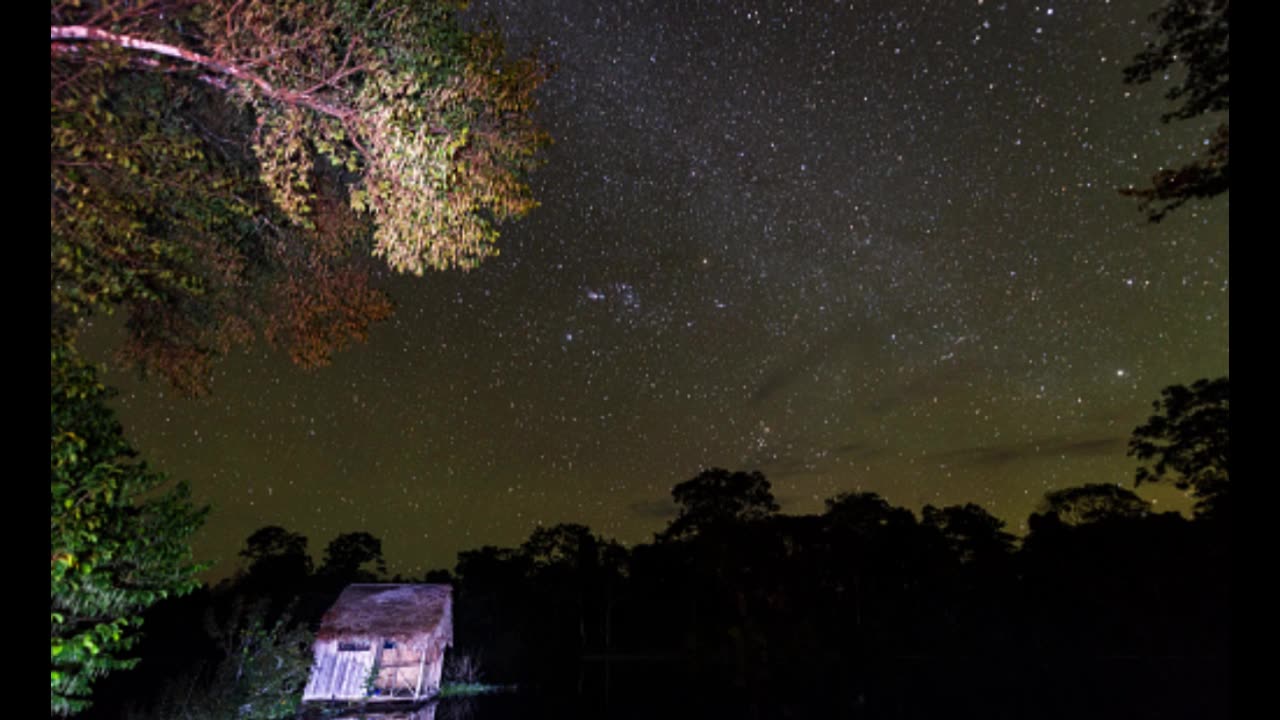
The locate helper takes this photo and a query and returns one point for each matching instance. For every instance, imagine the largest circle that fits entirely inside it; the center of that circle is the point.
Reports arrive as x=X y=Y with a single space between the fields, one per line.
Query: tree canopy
x=1195 y=34
x=224 y=170
x=219 y=168
x=569 y=544
x=118 y=537
x=1189 y=440
x=346 y=558
x=972 y=534
x=717 y=497
x=865 y=513
x=1093 y=503
x=275 y=559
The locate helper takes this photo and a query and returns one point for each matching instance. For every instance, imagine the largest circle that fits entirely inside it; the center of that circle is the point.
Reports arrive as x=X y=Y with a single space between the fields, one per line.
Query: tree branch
x=64 y=33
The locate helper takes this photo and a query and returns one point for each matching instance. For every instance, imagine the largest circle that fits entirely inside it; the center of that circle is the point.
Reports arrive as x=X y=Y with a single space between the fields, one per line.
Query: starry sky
x=856 y=245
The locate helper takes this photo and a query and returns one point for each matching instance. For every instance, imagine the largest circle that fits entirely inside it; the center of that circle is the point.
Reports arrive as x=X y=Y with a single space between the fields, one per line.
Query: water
x=1172 y=688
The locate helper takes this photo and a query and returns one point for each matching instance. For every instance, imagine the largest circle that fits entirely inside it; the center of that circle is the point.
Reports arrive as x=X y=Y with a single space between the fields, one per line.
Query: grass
x=465 y=689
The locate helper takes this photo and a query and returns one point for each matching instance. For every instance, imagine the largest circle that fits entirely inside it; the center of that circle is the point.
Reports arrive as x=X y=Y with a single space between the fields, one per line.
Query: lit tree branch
x=62 y=34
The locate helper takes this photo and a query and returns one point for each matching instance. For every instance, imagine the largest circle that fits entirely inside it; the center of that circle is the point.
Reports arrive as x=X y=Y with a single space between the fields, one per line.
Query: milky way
x=854 y=245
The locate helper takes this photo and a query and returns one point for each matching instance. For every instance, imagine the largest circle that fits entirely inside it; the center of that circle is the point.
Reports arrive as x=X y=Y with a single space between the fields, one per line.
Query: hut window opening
x=389 y=645
x=353 y=647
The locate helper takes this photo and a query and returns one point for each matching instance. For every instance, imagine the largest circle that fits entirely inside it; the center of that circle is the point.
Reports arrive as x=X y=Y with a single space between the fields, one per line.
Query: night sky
x=853 y=245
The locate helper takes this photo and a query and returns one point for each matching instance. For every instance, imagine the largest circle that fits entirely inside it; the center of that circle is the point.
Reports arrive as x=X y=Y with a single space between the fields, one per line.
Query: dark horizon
x=737 y=609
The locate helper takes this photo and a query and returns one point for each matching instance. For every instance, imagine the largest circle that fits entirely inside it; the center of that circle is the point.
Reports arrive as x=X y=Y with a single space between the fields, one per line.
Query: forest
x=238 y=172
x=867 y=609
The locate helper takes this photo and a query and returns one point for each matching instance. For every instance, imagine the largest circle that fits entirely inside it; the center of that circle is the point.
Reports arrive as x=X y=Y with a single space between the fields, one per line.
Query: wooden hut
x=382 y=643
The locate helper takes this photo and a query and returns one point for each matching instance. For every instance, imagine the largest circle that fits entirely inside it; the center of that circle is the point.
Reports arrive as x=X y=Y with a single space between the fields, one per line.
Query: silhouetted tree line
x=743 y=597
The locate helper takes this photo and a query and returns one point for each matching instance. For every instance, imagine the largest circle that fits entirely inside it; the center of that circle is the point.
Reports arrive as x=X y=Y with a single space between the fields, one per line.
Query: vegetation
x=264 y=667
x=347 y=555
x=751 y=606
x=1189 y=438
x=221 y=170
x=1092 y=503
x=217 y=169
x=719 y=497
x=448 y=690
x=1196 y=35
x=118 y=536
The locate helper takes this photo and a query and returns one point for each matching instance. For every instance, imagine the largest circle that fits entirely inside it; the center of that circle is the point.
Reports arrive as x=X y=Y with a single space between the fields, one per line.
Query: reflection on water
x=901 y=688
x=372 y=712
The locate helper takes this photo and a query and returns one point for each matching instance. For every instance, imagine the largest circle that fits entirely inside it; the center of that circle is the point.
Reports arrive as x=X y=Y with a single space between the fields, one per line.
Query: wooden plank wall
x=339 y=674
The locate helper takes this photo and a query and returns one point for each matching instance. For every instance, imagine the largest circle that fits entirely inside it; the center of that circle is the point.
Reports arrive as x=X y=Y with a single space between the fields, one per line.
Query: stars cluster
x=869 y=245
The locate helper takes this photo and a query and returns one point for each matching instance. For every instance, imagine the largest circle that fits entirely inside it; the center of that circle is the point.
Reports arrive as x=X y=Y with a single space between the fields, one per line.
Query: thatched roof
x=418 y=615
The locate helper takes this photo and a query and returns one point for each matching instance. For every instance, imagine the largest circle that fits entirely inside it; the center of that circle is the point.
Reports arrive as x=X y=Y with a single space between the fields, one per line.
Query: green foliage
x=1194 y=34
x=371 y=679
x=1189 y=438
x=267 y=669
x=264 y=669
x=218 y=168
x=461 y=689
x=118 y=536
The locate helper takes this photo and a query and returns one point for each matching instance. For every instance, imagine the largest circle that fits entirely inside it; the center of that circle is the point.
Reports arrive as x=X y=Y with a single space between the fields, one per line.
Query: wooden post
x=422 y=662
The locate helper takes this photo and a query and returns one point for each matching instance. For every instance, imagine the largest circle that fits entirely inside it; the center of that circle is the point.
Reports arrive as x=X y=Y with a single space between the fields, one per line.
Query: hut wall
x=339 y=674
x=398 y=670
x=351 y=648
x=431 y=683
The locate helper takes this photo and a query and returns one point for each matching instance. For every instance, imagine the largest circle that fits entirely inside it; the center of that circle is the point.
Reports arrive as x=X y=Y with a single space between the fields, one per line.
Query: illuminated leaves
x=118 y=537
x=434 y=122
x=323 y=308
x=198 y=153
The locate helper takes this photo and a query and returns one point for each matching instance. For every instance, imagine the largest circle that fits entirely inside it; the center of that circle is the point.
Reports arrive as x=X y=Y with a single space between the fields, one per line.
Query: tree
x=570 y=545
x=1093 y=503
x=491 y=568
x=718 y=498
x=347 y=555
x=272 y=545
x=265 y=666
x=865 y=513
x=971 y=532
x=265 y=669
x=1197 y=35
x=1189 y=438
x=217 y=168
x=279 y=566
x=118 y=541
